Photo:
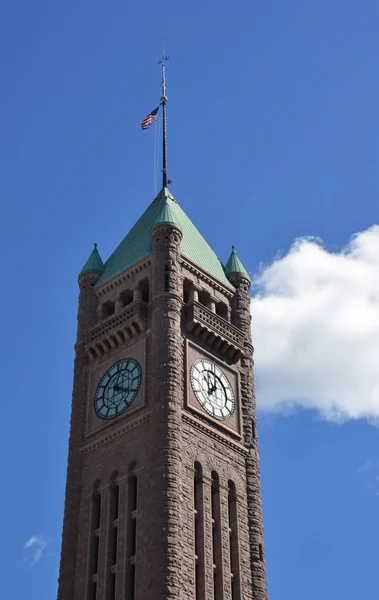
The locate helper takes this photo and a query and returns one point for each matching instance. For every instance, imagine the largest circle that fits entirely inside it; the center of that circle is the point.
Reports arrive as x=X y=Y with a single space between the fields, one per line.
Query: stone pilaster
x=241 y=317
x=166 y=393
x=86 y=318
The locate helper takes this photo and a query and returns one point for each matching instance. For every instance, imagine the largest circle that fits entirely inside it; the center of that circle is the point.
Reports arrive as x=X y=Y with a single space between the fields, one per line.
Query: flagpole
x=163 y=103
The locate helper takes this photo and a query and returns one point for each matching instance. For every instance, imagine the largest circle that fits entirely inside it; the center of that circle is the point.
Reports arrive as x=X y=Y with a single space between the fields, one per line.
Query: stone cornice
x=193 y=268
x=119 y=279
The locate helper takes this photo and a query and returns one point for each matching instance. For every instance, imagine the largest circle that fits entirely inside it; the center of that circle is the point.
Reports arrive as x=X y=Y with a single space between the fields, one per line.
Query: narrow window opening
x=133 y=492
x=166 y=279
x=260 y=552
x=96 y=554
x=112 y=594
x=145 y=290
x=187 y=286
x=126 y=297
x=93 y=590
x=107 y=309
x=216 y=538
x=131 y=535
x=222 y=310
x=132 y=594
x=114 y=546
x=96 y=511
x=204 y=298
x=197 y=581
x=115 y=499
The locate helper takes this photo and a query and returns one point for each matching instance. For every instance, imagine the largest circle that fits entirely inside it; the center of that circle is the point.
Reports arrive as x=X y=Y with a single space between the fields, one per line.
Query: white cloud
x=371 y=463
x=315 y=323
x=37 y=545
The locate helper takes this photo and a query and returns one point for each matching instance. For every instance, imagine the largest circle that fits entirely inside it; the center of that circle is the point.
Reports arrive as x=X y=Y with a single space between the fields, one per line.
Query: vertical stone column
x=166 y=399
x=103 y=564
x=193 y=295
x=122 y=556
x=242 y=319
x=227 y=591
x=212 y=306
x=119 y=304
x=86 y=318
x=208 y=557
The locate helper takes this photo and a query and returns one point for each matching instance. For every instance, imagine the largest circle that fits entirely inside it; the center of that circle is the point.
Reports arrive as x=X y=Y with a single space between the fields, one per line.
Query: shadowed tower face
x=163 y=486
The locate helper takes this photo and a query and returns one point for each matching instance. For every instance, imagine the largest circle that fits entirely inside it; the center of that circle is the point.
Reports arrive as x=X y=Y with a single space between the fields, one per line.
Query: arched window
x=218 y=590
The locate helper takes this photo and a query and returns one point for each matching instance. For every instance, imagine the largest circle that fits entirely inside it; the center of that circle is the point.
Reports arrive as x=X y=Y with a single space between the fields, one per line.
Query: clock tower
x=163 y=487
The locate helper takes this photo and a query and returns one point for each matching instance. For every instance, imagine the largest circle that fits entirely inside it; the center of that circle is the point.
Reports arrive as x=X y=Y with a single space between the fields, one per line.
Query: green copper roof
x=234 y=265
x=137 y=243
x=94 y=264
x=166 y=216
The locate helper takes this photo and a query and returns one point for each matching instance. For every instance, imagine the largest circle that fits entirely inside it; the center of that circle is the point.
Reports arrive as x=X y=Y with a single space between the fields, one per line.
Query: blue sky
x=273 y=138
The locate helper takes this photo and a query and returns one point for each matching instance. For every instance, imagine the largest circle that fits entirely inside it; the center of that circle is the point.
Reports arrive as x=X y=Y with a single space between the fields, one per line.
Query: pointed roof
x=234 y=265
x=165 y=215
x=137 y=243
x=94 y=263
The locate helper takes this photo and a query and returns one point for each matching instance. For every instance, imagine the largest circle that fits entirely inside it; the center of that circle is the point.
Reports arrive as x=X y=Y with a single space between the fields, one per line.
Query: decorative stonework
x=192 y=268
x=121 y=278
x=117 y=329
x=215 y=331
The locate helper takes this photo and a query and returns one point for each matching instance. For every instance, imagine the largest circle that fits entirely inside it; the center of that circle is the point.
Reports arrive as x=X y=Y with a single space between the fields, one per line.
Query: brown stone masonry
x=86 y=318
x=241 y=313
x=163 y=502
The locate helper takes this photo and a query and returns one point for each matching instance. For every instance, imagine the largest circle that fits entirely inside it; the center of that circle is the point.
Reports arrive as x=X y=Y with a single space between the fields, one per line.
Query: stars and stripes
x=151 y=117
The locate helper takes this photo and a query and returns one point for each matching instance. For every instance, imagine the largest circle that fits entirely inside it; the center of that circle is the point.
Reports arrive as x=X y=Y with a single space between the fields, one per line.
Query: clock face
x=212 y=389
x=117 y=388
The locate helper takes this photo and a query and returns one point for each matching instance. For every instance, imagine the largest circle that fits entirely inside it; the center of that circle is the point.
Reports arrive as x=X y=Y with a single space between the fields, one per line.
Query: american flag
x=151 y=117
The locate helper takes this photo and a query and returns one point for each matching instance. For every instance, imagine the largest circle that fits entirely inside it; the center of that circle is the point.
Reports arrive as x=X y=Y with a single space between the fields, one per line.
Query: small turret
x=94 y=264
x=234 y=269
x=165 y=216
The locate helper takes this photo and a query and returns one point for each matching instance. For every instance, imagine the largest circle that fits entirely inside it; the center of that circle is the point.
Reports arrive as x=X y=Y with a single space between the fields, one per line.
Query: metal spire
x=162 y=62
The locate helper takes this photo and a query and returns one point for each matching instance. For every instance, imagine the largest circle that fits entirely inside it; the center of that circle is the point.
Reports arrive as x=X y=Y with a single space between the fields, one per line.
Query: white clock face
x=212 y=389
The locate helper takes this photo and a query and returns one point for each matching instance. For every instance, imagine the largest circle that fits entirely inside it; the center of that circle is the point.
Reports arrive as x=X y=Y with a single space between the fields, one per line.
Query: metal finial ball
x=164 y=99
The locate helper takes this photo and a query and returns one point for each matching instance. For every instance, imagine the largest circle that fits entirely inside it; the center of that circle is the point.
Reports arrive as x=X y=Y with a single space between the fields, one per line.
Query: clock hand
x=207 y=382
x=118 y=388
